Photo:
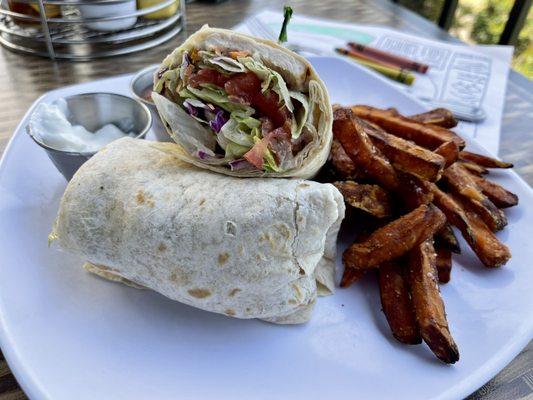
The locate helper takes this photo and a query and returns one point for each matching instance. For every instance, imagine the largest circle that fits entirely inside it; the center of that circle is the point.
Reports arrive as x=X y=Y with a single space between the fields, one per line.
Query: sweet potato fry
x=460 y=181
x=428 y=136
x=501 y=197
x=328 y=173
x=351 y=275
x=484 y=161
x=343 y=164
x=404 y=155
x=396 y=303
x=449 y=151
x=443 y=262
x=499 y=253
x=428 y=304
x=395 y=239
x=413 y=192
x=348 y=130
x=448 y=135
x=392 y=111
x=446 y=237
x=473 y=168
x=479 y=237
x=370 y=198
x=439 y=116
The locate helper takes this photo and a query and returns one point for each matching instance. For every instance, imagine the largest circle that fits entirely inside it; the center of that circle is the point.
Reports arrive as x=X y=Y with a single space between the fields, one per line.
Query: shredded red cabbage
x=239 y=164
x=161 y=72
x=218 y=122
x=213 y=115
x=202 y=155
x=192 y=110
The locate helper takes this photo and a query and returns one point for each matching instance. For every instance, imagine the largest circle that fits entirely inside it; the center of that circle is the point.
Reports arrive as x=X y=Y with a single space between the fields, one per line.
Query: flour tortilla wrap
x=236 y=134
x=247 y=248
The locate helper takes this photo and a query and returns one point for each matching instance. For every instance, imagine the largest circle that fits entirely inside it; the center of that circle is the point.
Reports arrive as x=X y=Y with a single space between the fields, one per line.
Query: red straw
x=379 y=55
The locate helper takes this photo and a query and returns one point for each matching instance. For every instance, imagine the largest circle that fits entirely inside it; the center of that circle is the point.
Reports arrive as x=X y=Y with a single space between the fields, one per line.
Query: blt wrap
x=247 y=248
x=244 y=106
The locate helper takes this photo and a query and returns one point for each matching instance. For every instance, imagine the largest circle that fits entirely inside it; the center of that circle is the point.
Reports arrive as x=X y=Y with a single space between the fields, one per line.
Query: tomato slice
x=246 y=86
x=278 y=141
x=207 y=76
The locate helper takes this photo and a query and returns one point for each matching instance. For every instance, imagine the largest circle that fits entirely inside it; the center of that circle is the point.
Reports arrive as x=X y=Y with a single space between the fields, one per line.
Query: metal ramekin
x=143 y=80
x=92 y=111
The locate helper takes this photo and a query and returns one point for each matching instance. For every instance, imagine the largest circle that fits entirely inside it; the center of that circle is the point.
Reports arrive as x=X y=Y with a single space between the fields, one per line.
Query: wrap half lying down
x=244 y=106
x=247 y=248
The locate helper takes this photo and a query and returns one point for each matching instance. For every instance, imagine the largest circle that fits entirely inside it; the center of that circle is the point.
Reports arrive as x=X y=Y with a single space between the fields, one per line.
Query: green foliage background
x=482 y=21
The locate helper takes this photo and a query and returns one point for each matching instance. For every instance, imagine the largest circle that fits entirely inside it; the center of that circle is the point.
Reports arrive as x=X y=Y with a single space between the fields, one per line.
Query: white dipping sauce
x=49 y=124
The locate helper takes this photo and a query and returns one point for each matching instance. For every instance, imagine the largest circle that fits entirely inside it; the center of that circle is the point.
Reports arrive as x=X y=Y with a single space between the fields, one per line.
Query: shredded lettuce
x=228 y=64
x=211 y=95
x=222 y=140
x=170 y=75
x=300 y=116
x=236 y=135
x=232 y=133
x=269 y=162
x=245 y=123
x=214 y=95
x=185 y=62
x=221 y=63
x=242 y=114
x=234 y=150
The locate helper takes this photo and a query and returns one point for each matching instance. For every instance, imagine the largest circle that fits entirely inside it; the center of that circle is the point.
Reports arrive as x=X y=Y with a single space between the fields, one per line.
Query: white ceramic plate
x=68 y=334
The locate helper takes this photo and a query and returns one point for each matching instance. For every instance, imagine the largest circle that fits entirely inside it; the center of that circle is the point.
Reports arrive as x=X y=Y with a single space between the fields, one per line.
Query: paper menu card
x=459 y=74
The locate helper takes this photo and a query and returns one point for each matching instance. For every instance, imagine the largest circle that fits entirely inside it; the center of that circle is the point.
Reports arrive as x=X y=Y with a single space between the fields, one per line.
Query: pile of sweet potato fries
x=412 y=176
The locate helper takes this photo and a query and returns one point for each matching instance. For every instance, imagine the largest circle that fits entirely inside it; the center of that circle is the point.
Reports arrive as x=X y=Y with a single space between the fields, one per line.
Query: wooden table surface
x=24 y=78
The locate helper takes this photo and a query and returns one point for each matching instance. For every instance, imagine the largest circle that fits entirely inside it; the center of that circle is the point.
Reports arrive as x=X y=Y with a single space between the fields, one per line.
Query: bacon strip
x=277 y=141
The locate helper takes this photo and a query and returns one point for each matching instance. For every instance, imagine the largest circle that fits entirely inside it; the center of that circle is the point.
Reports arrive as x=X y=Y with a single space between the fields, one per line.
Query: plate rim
x=30 y=384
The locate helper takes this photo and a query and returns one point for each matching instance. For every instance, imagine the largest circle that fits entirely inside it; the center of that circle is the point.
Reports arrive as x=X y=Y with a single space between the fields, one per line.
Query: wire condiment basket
x=73 y=36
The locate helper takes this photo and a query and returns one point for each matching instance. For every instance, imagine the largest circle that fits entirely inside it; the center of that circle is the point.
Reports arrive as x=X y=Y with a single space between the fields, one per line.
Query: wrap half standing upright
x=244 y=106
